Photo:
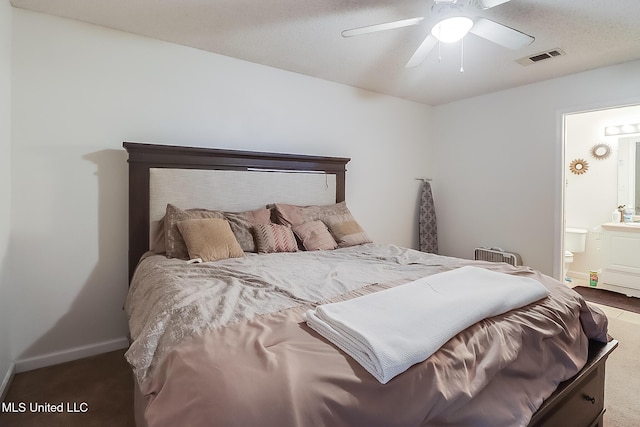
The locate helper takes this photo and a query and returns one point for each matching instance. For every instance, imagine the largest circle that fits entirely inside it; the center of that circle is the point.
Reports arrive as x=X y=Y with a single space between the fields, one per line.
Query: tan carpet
x=102 y=386
x=622 y=387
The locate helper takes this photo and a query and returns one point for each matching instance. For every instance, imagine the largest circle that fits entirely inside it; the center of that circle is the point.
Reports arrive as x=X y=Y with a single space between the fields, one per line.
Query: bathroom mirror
x=629 y=172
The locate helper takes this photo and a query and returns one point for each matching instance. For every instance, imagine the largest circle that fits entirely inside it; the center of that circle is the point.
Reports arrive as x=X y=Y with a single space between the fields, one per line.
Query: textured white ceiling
x=304 y=36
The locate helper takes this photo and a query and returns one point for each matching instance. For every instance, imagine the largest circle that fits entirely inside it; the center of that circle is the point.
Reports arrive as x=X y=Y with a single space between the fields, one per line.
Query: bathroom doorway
x=593 y=169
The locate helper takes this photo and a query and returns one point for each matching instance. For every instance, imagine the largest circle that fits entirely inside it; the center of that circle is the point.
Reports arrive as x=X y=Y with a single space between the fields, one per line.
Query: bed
x=226 y=342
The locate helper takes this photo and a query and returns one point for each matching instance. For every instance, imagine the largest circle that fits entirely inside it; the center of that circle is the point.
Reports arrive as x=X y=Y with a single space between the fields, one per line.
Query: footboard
x=578 y=401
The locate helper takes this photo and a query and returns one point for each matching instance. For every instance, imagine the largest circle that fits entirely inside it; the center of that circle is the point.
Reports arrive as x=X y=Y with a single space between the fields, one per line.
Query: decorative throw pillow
x=209 y=239
x=175 y=245
x=274 y=238
x=295 y=215
x=315 y=236
x=346 y=230
x=242 y=224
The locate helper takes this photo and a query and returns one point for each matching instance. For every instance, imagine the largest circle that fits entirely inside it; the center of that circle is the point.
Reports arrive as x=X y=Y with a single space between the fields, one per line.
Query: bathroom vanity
x=621 y=256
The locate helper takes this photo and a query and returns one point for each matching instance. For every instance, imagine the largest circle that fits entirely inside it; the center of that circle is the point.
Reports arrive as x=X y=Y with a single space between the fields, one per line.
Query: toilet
x=575 y=241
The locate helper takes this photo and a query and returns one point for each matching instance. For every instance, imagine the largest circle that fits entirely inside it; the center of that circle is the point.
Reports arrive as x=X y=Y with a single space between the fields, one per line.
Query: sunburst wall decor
x=579 y=166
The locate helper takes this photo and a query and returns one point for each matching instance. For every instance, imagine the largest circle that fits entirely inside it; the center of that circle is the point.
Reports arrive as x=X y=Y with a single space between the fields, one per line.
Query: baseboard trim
x=6 y=381
x=30 y=363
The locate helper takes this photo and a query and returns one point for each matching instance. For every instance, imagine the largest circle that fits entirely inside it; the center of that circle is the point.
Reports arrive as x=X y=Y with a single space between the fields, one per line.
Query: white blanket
x=389 y=331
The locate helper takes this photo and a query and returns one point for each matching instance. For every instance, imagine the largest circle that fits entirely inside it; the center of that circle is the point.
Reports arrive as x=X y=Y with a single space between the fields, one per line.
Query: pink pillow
x=315 y=236
x=274 y=238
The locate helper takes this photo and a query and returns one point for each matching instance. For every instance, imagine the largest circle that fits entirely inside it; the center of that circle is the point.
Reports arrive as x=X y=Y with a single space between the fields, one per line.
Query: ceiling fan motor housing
x=445 y=12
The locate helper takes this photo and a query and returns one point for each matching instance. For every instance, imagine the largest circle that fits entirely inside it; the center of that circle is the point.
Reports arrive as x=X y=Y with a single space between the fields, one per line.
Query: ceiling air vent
x=541 y=56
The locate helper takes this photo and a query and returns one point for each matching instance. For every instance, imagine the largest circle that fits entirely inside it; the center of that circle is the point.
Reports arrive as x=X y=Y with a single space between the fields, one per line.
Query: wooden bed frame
x=578 y=401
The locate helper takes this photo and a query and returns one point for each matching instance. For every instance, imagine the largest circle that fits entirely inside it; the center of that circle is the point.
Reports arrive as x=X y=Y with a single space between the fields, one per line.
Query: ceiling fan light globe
x=451 y=30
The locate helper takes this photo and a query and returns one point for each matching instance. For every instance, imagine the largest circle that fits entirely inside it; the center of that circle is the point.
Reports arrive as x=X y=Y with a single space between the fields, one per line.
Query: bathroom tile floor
x=612 y=312
x=616 y=313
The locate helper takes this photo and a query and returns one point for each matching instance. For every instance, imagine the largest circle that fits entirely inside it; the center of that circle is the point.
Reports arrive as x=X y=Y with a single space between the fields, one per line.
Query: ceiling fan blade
x=487 y=4
x=381 y=27
x=423 y=50
x=501 y=34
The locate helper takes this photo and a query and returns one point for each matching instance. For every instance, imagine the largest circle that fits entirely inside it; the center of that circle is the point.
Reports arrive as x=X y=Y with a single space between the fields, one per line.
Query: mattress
x=225 y=343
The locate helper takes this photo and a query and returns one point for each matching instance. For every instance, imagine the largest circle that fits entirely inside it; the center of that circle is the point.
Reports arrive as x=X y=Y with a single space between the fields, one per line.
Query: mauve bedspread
x=225 y=344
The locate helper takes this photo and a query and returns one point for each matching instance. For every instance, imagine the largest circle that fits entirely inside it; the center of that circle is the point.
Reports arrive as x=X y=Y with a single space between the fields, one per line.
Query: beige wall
x=80 y=90
x=6 y=357
x=500 y=175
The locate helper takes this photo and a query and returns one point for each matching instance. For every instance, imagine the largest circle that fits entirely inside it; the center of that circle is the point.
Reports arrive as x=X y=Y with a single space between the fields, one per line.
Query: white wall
x=499 y=163
x=80 y=90
x=590 y=198
x=5 y=188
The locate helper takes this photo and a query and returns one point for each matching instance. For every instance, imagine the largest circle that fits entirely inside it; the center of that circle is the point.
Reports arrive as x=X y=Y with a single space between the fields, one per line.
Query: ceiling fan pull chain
x=462 y=55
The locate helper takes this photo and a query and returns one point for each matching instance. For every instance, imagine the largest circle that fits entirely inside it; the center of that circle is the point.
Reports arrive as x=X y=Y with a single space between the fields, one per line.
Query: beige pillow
x=315 y=236
x=346 y=230
x=209 y=239
x=174 y=243
x=295 y=215
x=241 y=224
x=274 y=238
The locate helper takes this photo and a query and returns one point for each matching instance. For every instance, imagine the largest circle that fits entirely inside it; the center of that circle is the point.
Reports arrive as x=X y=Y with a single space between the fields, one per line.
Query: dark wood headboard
x=143 y=157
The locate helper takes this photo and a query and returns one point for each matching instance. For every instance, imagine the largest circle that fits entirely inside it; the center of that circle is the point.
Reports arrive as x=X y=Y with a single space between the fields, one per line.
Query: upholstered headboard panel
x=227 y=180
x=234 y=191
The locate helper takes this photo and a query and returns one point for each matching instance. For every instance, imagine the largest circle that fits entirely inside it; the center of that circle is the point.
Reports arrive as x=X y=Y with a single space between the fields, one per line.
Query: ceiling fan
x=451 y=22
